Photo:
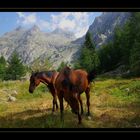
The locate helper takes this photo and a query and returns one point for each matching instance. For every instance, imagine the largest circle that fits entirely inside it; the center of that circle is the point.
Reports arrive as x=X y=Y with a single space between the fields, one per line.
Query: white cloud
x=81 y=32
x=43 y=25
x=67 y=24
x=27 y=19
x=76 y=22
x=20 y=14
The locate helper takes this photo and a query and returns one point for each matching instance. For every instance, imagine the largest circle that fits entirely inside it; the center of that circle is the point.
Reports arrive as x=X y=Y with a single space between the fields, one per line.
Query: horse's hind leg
x=54 y=102
x=54 y=98
x=60 y=97
x=76 y=107
x=78 y=113
x=88 y=98
x=81 y=104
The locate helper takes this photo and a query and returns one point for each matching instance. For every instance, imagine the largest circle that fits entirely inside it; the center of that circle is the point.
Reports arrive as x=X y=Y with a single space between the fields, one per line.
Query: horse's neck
x=43 y=78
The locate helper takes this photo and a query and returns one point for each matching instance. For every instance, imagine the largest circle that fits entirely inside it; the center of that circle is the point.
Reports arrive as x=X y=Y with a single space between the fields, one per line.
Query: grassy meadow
x=115 y=103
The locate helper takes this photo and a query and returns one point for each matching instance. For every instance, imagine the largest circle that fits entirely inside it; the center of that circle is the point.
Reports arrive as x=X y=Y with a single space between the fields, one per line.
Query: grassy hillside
x=114 y=103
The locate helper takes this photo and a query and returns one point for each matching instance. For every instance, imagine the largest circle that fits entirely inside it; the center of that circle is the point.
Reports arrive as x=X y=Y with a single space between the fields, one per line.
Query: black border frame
x=67 y=5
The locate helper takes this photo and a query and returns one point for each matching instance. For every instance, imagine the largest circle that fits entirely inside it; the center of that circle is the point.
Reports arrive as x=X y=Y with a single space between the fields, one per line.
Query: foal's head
x=34 y=82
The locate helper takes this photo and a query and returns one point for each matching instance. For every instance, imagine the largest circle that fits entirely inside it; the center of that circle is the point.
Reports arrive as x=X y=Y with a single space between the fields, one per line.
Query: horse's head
x=73 y=102
x=34 y=82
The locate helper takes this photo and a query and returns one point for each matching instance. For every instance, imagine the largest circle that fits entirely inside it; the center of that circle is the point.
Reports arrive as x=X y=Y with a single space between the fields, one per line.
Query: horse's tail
x=91 y=75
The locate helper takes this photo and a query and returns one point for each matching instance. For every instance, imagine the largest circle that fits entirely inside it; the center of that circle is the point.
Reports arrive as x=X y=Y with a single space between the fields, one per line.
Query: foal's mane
x=47 y=73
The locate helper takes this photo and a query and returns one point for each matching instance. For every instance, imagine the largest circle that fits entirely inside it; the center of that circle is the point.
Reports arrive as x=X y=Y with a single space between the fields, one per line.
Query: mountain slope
x=33 y=43
x=102 y=28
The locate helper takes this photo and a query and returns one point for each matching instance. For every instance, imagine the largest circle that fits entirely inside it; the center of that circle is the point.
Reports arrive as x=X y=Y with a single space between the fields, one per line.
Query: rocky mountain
x=32 y=44
x=58 y=45
x=102 y=29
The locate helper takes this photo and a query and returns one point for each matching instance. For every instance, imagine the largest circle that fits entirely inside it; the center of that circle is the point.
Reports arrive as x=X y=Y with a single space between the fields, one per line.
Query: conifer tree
x=2 y=67
x=88 y=59
x=15 y=69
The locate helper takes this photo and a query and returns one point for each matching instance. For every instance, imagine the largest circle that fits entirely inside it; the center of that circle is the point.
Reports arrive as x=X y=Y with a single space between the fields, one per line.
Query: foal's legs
x=52 y=90
x=88 y=98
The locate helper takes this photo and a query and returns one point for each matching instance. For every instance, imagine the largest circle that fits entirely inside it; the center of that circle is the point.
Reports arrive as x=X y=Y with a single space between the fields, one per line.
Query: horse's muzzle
x=30 y=91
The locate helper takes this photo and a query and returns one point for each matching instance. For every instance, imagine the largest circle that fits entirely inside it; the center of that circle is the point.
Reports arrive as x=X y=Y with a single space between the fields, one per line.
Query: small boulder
x=11 y=98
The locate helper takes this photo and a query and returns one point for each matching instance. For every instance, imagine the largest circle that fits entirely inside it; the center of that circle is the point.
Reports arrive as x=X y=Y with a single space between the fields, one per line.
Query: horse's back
x=79 y=75
x=76 y=78
x=80 y=72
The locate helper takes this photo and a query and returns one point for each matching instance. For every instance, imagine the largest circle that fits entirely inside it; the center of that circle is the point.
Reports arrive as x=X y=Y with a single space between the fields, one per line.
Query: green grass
x=114 y=103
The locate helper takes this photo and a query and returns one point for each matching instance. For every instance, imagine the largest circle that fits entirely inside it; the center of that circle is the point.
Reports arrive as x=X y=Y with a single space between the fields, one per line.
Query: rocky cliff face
x=102 y=28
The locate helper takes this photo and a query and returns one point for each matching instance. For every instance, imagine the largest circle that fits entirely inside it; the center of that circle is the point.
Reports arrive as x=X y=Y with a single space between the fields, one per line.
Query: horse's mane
x=48 y=73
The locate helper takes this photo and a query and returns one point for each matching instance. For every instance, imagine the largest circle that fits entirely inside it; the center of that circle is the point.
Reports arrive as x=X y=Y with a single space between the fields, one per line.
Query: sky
x=76 y=22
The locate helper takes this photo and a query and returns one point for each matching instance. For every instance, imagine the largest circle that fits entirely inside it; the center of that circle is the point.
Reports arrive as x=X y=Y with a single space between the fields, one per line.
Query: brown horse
x=69 y=85
x=48 y=78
